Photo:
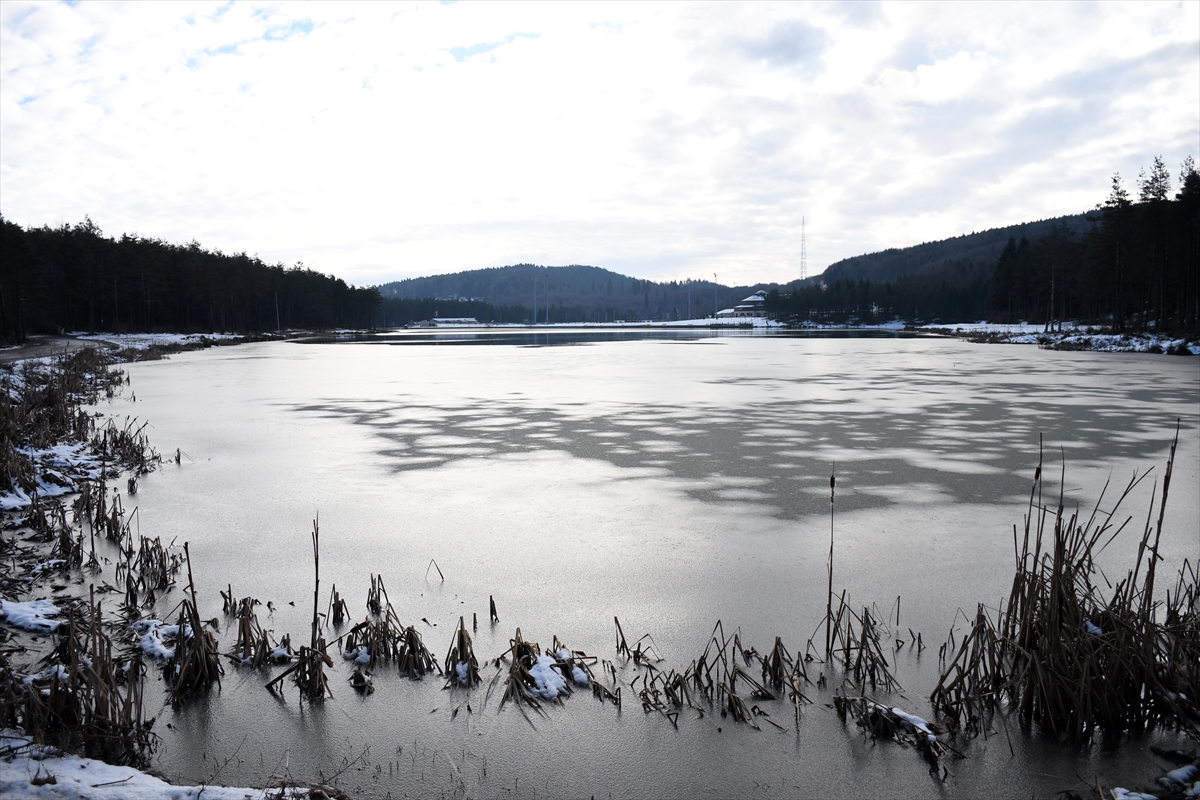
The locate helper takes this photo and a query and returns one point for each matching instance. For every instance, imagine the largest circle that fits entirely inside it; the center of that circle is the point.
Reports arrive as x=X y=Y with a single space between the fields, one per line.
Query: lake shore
x=1094 y=339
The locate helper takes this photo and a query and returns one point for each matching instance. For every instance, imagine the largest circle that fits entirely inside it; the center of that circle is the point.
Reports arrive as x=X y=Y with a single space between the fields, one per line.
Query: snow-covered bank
x=720 y=322
x=142 y=341
x=30 y=771
x=58 y=470
x=1069 y=338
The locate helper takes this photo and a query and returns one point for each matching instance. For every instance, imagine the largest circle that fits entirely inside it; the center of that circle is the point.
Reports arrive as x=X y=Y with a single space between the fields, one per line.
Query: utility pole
x=277 y=312
x=803 y=252
x=689 y=283
x=535 y=299
x=714 y=297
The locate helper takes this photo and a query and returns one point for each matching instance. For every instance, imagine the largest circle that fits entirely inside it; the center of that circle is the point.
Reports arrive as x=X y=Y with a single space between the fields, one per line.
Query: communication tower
x=803 y=252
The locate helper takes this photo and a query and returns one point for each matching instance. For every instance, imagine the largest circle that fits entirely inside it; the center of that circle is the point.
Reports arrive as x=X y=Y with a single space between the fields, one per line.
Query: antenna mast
x=803 y=252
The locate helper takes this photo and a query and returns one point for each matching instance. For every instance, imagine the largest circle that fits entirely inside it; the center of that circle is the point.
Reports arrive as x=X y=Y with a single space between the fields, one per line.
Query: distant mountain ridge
x=596 y=293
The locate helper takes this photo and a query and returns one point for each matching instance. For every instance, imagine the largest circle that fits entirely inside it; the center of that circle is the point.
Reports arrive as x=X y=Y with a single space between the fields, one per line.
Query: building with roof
x=752 y=306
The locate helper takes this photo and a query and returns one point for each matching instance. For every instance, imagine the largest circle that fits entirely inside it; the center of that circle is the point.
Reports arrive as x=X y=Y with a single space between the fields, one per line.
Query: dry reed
x=86 y=701
x=461 y=667
x=1065 y=656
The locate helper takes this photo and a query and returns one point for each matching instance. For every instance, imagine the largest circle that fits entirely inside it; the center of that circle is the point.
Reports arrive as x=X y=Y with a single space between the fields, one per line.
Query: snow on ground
x=1072 y=337
x=1016 y=328
x=33 y=615
x=721 y=322
x=140 y=341
x=59 y=470
x=30 y=771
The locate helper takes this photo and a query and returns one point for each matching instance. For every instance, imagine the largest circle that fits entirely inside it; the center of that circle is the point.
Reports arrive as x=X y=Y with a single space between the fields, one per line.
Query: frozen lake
x=670 y=480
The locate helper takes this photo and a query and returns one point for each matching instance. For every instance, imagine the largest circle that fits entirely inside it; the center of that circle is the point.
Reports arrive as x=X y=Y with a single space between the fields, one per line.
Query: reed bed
x=255 y=647
x=856 y=641
x=378 y=639
x=377 y=596
x=1068 y=657
x=721 y=680
x=86 y=700
x=127 y=445
x=41 y=405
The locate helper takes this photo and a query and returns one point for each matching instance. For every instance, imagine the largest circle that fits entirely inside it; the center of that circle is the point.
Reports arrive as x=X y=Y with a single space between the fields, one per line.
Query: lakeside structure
x=749 y=307
x=752 y=306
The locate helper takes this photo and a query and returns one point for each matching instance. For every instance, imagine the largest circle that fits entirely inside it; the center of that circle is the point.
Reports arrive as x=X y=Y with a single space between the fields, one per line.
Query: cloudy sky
x=389 y=140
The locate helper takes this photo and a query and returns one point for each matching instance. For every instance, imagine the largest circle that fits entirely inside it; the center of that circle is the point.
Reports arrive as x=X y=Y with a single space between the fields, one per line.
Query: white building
x=752 y=306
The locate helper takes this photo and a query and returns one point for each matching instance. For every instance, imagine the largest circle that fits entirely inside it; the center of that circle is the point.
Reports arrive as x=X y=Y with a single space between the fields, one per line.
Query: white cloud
x=379 y=141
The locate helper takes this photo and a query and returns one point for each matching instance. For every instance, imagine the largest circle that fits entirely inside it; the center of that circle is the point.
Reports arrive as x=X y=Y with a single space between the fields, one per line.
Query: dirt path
x=39 y=346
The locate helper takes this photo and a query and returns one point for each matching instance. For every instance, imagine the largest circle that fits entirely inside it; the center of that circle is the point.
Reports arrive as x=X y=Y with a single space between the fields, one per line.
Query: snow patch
x=76 y=777
x=1180 y=777
x=31 y=616
x=549 y=681
x=154 y=635
x=358 y=655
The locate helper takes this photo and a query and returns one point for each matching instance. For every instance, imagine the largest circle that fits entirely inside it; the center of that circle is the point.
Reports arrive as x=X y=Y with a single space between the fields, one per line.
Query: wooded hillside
x=1129 y=264
x=75 y=278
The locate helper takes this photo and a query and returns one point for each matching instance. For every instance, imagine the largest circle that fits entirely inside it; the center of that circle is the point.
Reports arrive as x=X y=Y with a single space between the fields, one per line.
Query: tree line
x=1135 y=266
x=957 y=289
x=74 y=278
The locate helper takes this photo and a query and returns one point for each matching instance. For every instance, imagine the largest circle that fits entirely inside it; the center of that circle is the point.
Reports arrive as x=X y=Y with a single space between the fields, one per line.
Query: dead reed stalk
x=883 y=722
x=308 y=673
x=195 y=666
x=462 y=669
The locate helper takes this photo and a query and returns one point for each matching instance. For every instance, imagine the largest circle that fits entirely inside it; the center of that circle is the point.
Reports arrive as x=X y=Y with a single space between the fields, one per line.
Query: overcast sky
x=385 y=140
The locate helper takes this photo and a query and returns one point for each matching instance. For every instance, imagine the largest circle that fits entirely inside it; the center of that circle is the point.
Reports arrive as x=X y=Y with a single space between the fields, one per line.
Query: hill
x=579 y=292
x=574 y=293
x=983 y=248
x=1131 y=264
